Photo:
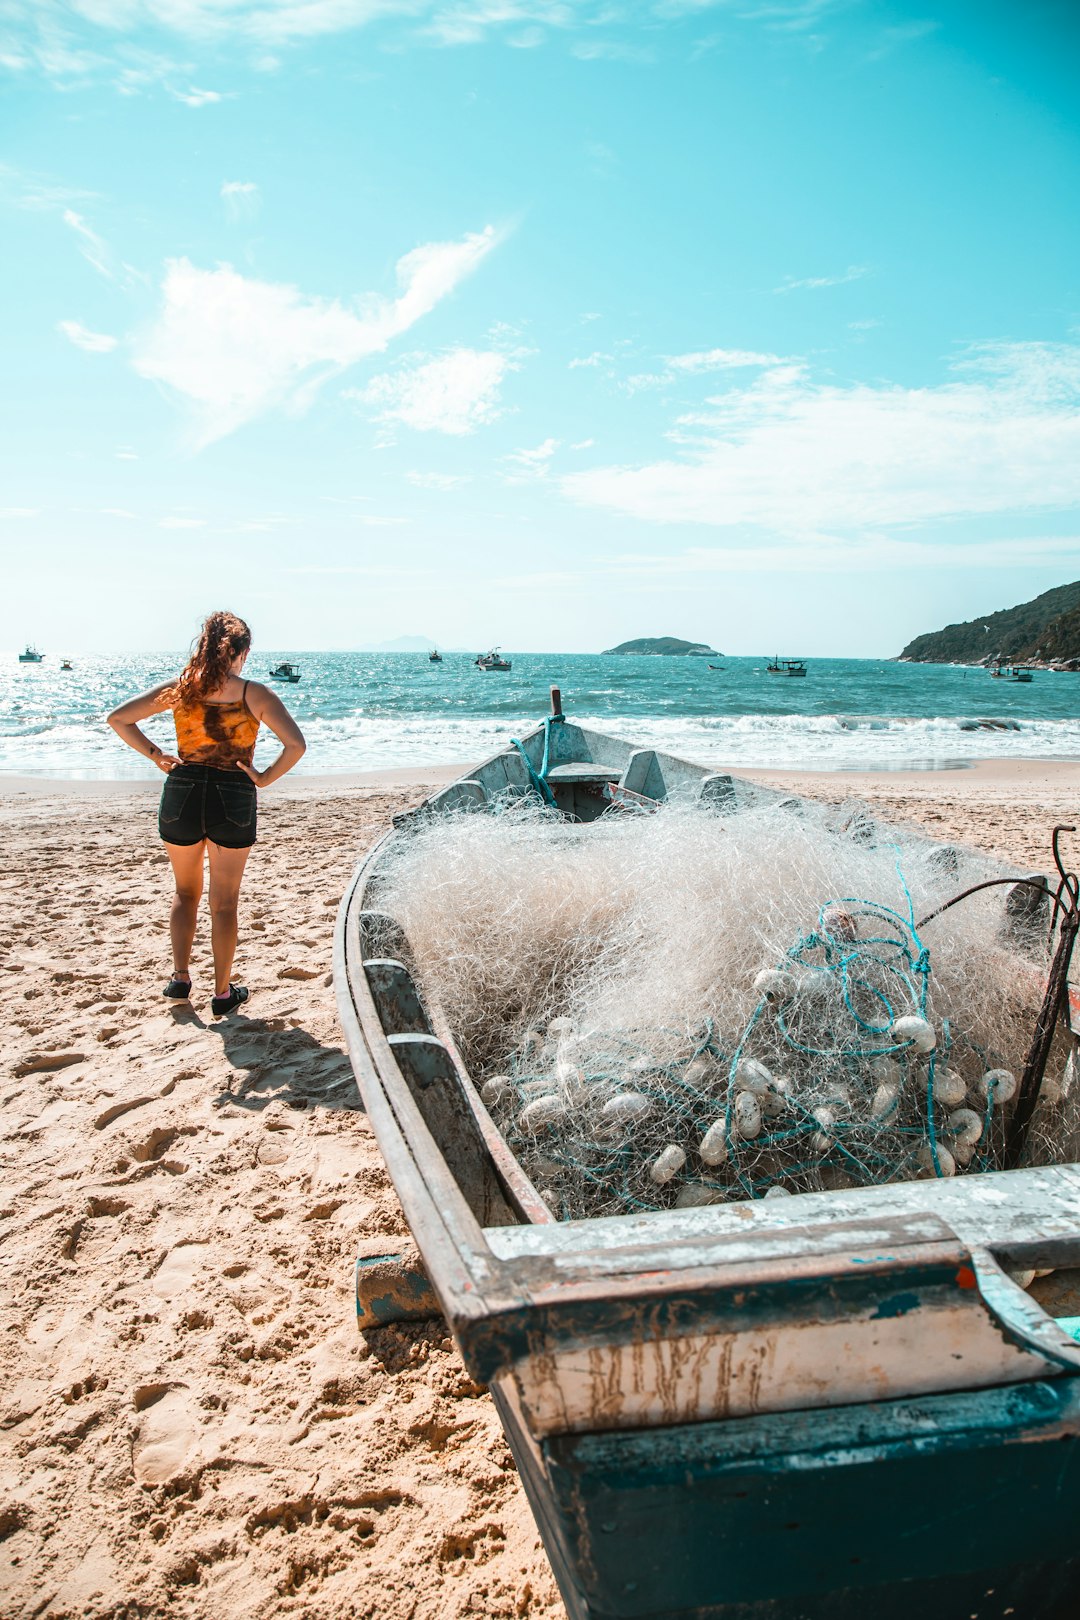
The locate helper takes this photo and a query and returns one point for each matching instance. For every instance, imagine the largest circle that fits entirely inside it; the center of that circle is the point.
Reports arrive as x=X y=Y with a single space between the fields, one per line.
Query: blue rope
x=538 y=779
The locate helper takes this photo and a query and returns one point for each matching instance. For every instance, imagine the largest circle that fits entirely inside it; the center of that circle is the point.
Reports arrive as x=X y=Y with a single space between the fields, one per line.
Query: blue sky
x=539 y=322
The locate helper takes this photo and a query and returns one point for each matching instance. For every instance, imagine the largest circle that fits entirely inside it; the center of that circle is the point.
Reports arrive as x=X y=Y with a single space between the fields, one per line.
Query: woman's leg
x=187 y=865
x=226 y=872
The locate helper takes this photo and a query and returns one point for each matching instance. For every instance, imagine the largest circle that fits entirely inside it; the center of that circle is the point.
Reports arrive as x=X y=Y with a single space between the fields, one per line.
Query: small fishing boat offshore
x=786 y=666
x=492 y=660
x=1011 y=672
x=285 y=672
x=756 y=1372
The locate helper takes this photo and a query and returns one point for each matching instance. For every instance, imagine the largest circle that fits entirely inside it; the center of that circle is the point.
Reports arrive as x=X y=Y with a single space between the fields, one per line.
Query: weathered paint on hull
x=953 y=1507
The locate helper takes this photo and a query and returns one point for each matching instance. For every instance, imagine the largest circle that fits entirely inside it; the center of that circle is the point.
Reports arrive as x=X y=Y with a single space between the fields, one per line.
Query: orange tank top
x=218 y=734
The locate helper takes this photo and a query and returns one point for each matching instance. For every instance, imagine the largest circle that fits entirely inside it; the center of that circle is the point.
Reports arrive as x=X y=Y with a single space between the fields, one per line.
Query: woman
x=209 y=799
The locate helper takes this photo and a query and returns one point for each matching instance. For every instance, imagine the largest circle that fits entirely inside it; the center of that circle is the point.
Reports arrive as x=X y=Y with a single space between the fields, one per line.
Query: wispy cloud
x=78 y=42
x=720 y=360
x=241 y=199
x=793 y=457
x=233 y=347
x=20 y=511
x=854 y=272
x=194 y=97
x=597 y=358
x=455 y=393
x=83 y=338
x=97 y=252
x=524 y=466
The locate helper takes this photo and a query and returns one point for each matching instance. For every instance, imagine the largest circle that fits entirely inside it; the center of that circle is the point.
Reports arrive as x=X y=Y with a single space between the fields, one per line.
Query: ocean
x=369 y=711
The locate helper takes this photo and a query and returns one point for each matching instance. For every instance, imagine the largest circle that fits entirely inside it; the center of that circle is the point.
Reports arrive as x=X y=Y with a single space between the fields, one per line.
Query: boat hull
x=835 y=1406
x=948 y=1507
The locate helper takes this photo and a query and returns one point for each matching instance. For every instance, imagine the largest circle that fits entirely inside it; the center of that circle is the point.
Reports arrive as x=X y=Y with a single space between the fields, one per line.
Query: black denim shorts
x=200 y=801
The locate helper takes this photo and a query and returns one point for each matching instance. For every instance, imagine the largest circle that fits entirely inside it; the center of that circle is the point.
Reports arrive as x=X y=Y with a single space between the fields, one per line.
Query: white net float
x=884 y=1100
x=950 y=1088
x=926 y=1155
x=626 y=1108
x=713 y=1148
x=913 y=1031
x=695 y=1195
x=500 y=1088
x=754 y=1077
x=541 y=1113
x=999 y=1084
x=747 y=1116
x=774 y=984
x=667 y=1164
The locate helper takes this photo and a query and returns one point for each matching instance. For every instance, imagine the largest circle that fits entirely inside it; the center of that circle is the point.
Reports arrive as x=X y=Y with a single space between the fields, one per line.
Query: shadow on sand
x=276 y=1061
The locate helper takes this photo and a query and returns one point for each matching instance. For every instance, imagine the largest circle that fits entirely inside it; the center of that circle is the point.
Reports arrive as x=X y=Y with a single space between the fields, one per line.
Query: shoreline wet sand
x=190 y=1422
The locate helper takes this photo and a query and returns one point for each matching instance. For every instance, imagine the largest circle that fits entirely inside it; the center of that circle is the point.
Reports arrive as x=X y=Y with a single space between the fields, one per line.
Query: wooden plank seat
x=583 y=770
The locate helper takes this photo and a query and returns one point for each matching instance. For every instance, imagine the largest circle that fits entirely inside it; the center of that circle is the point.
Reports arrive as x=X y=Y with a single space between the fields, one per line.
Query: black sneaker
x=220 y=1005
x=178 y=989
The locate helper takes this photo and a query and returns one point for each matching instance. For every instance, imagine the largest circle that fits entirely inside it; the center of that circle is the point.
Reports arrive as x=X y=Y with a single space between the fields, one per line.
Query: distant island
x=669 y=646
x=1045 y=630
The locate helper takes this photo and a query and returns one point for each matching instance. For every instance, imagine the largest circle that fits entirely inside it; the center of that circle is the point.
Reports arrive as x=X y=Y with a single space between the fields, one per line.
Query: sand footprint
x=165 y=1434
x=176 y=1273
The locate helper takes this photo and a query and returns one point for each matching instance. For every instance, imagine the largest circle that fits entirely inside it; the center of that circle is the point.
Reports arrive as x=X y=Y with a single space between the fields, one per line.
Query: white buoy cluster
x=708 y=1129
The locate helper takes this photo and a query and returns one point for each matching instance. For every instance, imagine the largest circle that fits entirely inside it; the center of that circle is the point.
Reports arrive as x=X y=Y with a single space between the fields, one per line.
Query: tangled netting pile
x=682 y=1008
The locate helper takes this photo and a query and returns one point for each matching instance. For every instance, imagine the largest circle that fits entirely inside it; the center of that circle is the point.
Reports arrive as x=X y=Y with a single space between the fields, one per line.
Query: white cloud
x=854 y=272
x=19 y=511
x=194 y=97
x=455 y=393
x=437 y=480
x=720 y=360
x=83 y=338
x=597 y=358
x=241 y=199
x=234 y=347
x=96 y=251
x=529 y=464
x=583 y=444
x=796 y=458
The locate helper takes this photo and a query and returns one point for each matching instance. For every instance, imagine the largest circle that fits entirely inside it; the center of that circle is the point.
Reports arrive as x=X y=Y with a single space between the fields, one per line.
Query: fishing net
x=678 y=1008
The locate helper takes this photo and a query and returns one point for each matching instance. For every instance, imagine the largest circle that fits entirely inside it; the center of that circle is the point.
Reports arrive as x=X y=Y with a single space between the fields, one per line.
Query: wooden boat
x=285 y=672
x=66 y=664
x=31 y=655
x=434 y=656
x=825 y=1407
x=786 y=666
x=492 y=660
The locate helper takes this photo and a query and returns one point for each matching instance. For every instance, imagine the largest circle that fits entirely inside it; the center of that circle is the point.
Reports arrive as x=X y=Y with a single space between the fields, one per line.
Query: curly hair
x=222 y=638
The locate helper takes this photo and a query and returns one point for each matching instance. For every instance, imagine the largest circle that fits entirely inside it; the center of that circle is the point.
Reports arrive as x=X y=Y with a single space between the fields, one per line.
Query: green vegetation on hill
x=665 y=644
x=1026 y=631
x=1060 y=641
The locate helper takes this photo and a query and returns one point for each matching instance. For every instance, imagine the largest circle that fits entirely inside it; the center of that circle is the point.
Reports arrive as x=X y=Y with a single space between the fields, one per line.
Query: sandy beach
x=191 y=1424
